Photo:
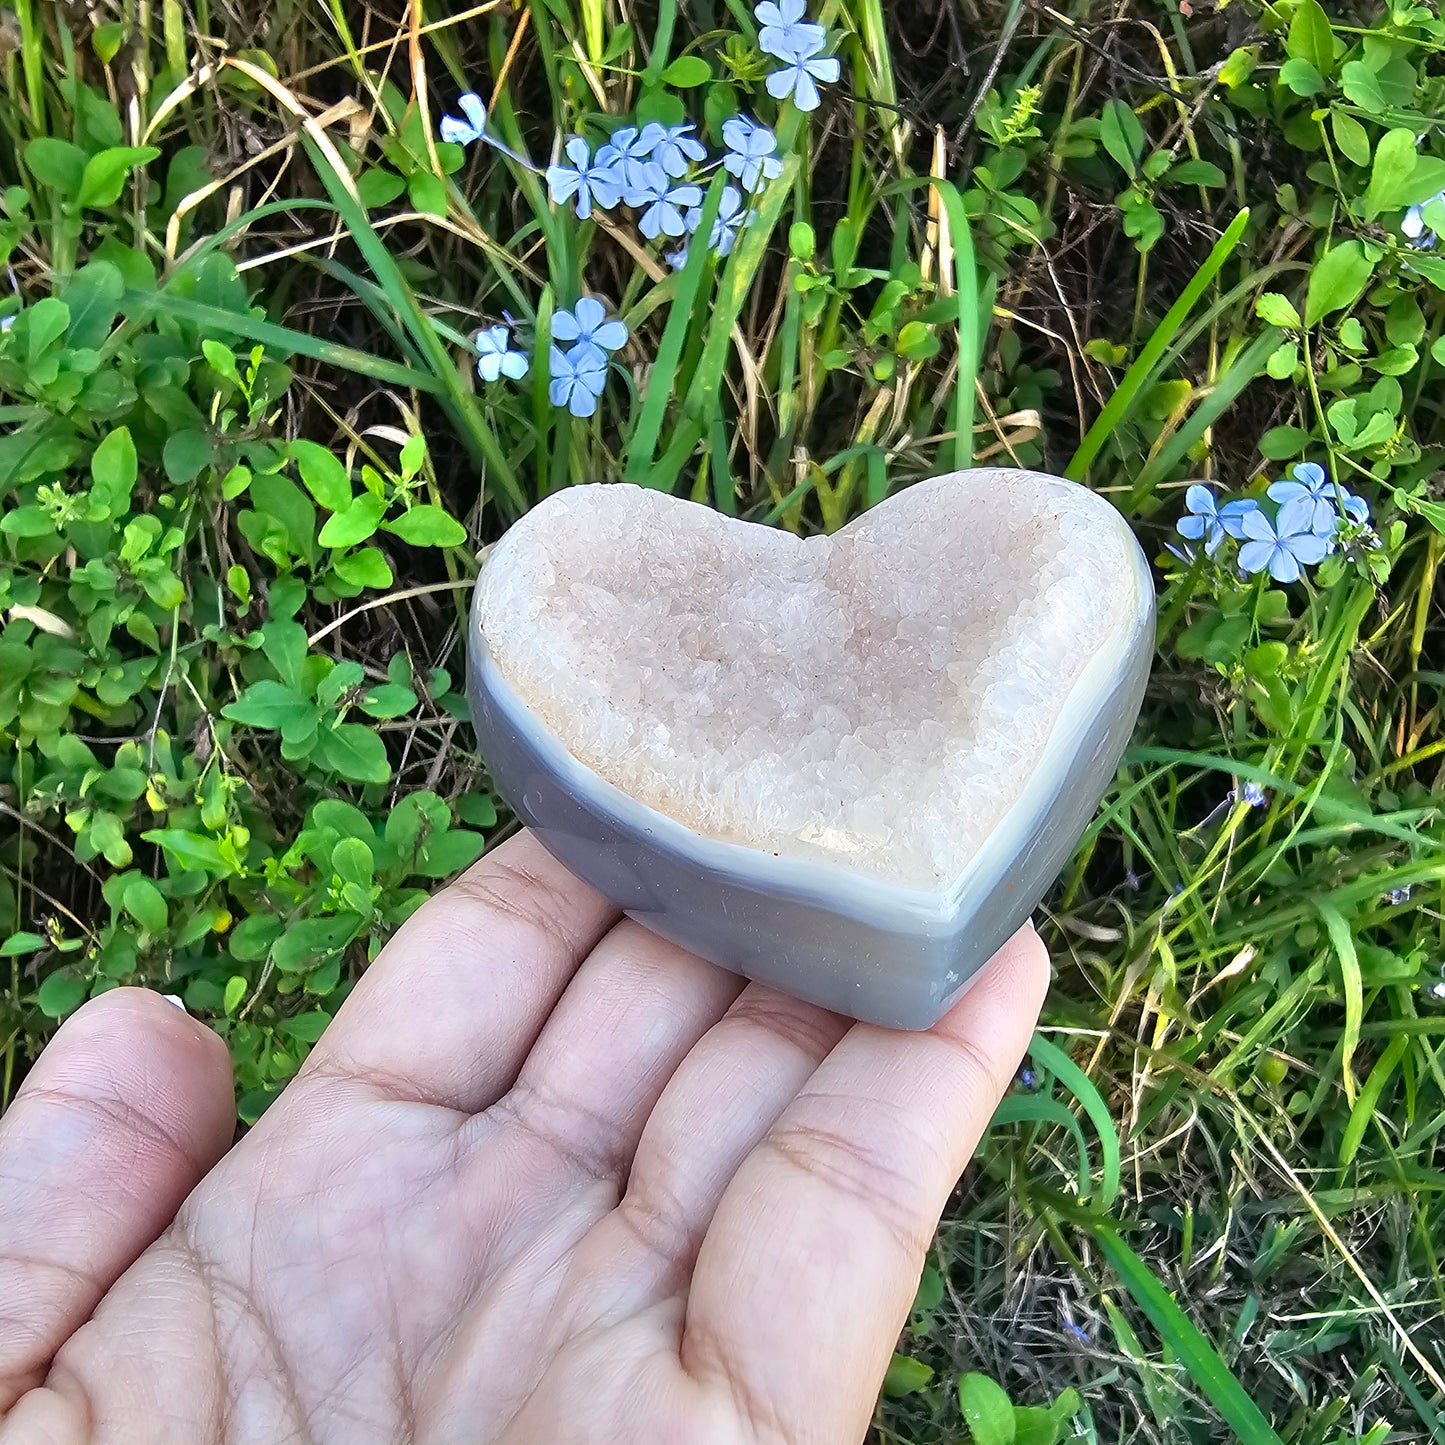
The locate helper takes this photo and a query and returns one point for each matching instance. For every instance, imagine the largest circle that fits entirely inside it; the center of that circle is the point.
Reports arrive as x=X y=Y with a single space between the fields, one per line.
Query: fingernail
x=175 y=998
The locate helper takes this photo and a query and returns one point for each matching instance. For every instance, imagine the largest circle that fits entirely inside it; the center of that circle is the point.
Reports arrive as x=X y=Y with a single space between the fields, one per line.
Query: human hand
x=547 y=1178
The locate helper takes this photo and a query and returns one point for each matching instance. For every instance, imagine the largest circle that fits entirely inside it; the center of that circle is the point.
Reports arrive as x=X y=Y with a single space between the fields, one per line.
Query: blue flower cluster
x=1310 y=518
x=656 y=170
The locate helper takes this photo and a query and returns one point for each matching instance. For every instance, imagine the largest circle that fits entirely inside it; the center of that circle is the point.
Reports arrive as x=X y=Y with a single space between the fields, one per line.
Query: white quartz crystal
x=876 y=698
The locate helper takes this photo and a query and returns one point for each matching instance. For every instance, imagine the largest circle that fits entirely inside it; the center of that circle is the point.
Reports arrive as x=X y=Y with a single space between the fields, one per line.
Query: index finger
x=808 y=1271
x=452 y=1005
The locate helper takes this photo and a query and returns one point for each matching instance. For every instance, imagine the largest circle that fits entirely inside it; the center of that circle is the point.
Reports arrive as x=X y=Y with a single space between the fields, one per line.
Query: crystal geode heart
x=848 y=766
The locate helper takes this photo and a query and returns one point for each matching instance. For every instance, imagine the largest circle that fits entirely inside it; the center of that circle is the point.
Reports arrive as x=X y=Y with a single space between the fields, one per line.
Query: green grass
x=1164 y=246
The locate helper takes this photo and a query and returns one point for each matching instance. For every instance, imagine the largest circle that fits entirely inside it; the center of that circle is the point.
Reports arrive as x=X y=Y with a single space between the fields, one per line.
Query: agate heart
x=848 y=766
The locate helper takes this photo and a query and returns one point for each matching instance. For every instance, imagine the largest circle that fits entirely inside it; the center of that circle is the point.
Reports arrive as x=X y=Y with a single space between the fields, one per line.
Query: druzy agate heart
x=848 y=766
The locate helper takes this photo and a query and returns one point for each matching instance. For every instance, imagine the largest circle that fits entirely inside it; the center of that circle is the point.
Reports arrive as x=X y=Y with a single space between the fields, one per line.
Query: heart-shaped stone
x=848 y=766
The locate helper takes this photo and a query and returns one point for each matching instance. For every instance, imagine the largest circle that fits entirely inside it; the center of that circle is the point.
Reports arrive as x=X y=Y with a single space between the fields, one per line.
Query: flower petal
x=562 y=183
x=1255 y=524
x=1232 y=515
x=805 y=94
x=456 y=132
x=1255 y=556
x=1191 y=526
x=1310 y=548
x=565 y=326
x=1312 y=474
x=582 y=402
x=474 y=110
x=825 y=69
x=578 y=152
x=1200 y=500
x=610 y=335
x=781 y=82
x=1282 y=565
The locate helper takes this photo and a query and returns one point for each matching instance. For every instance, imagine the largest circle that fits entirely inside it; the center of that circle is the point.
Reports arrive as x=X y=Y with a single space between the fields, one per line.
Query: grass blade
x=1354 y=989
x=662 y=377
x=220 y=322
x=1119 y=406
x=1245 y=367
x=971 y=325
x=1189 y=1345
x=1049 y=1056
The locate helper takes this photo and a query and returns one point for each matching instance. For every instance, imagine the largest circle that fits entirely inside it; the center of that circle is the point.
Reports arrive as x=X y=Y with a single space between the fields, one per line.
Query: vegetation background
x=246 y=468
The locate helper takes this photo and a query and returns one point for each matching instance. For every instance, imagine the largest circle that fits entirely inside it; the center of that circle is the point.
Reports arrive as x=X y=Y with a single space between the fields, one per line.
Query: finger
x=453 y=1003
x=823 y=1232
x=627 y=1020
x=720 y=1103
x=121 y=1117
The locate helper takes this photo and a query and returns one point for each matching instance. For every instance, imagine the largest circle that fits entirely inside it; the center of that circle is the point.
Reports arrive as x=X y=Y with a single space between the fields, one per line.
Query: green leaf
x=93 y=294
x=105 y=173
x=352 y=862
x=355 y=523
x=269 y=704
x=1277 y=310
x=1351 y=137
x=306 y=1028
x=446 y=853
x=113 y=471
x=366 y=568
x=1196 y=173
x=61 y=994
x=1301 y=77
x=987 y=1410
x=687 y=71
x=1122 y=135
x=388 y=700
x=236 y=989
x=56 y=164
x=189 y=850
x=1337 y=280
x=1401 y=176
x=1310 y=38
x=187 y=453
x=324 y=474
x=313 y=938
x=428 y=526
x=27 y=522
x=1045 y=1424
x=906 y=1376
x=379 y=187
x=146 y=904
x=20 y=943
x=428 y=193
x=354 y=752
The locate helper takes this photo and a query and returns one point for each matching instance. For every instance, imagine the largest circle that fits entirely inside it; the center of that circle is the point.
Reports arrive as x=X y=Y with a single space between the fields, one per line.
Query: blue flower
x=578 y=376
x=584 y=178
x=731 y=218
x=802 y=69
x=1203 y=519
x=677 y=149
x=752 y=154
x=587 y=325
x=1310 y=485
x=1398 y=896
x=1251 y=795
x=464 y=132
x=1416 y=230
x=677 y=259
x=786 y=29
x=627 y=151
x=666 y=211
x=495 y=356
x=1286 y=545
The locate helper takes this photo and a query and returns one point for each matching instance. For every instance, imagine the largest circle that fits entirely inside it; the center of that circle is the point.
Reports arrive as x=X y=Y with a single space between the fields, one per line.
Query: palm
x=547 y=1178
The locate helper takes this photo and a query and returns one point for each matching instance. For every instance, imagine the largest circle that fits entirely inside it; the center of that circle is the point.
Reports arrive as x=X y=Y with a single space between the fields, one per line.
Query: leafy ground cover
x=1182 y=253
